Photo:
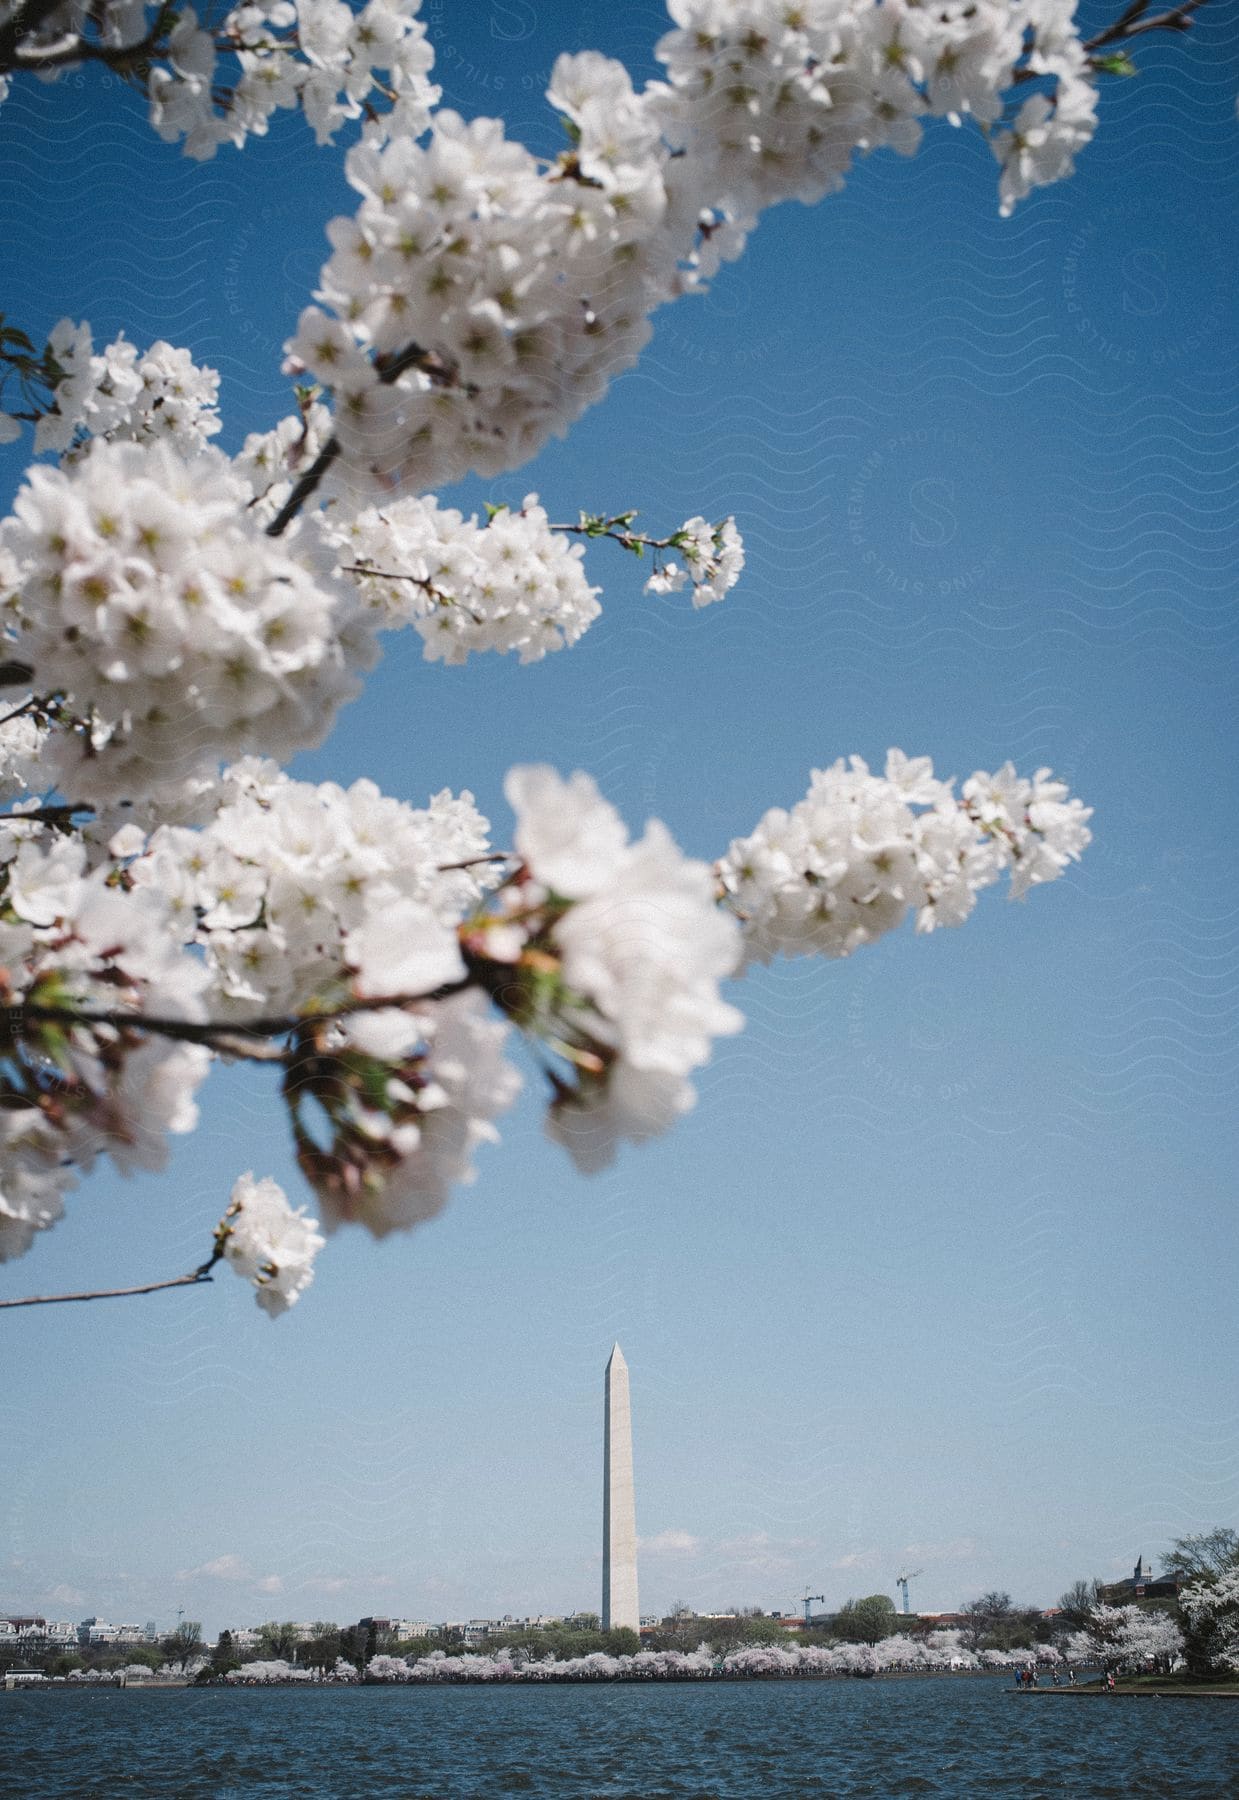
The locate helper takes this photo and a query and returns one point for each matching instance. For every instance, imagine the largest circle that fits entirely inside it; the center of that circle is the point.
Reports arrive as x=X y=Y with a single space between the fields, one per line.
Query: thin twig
x=17 y=711
x=48 y=815
x=419 y=581
x=389 y=369
x=194 y=1279
x=82 y=50
x=470 y=862
x=1132 y=23
x=629 y=539
x=304 y=487
x=23 y=24
x=234 y=1035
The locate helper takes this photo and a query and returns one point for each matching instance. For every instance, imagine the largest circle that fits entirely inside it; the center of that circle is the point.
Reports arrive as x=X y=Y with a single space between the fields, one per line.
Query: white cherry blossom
x=860 y=852
x=175 y=630
x=270 y=1242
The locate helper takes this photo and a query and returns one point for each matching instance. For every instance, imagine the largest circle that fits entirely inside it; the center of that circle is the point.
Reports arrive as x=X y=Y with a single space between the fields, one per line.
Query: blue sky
x=940 y=1272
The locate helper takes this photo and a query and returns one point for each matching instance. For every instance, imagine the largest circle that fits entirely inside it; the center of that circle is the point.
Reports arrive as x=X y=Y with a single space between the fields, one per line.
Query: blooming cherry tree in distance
x=179 y=623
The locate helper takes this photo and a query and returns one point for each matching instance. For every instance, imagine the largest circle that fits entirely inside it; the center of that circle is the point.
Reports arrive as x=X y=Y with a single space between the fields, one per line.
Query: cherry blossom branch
x=126 y=59
x=304 y=486
x=1132 y=23
x=473 y=862
x=232 y=1037
x=33 y=704
x=25 y=20
x=43 y=815
x=194 y=1279
x=418 y=581
x=15 y=674
x=596 y=526
x=389 y=369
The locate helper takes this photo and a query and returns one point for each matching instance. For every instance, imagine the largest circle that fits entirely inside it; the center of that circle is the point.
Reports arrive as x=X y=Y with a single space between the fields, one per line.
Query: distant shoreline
x=1091 y=1692
x=60 y=1686
x=999 y=1678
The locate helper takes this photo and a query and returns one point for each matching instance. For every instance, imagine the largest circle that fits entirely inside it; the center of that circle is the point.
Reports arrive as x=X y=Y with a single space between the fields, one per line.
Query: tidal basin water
x=964 y=1739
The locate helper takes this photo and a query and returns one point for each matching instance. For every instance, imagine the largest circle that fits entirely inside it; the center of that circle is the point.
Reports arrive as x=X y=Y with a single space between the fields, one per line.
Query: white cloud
x=857 y=1559
x=748 y=1540
x=231 y=1567
x=221 y=1568
x=670 y=1543
x=760 y=1554
x=67 y=1596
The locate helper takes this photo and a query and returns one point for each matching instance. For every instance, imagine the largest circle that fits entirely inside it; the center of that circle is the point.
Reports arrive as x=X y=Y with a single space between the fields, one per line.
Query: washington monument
x=619 y=1515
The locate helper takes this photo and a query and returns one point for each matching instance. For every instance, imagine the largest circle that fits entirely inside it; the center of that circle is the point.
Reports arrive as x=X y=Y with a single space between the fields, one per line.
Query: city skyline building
x=619 y=1513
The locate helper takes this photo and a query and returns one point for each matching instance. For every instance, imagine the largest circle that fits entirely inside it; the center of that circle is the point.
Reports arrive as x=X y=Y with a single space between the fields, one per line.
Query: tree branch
x=487 y=856
x=389 y=370
x=1132 y=23
x=233 y=1037
x=304 y=487
x=122 y=57
x=631 y=540
x=46 y=815
x=193 y=1279
x=418 y=581
x=24 y=23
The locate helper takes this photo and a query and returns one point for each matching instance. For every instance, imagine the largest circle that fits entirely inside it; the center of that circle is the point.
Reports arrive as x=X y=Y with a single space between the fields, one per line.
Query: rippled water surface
x=739 y=1741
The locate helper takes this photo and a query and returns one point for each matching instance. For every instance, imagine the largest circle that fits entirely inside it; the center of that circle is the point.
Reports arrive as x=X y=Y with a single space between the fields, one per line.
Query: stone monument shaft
x=619 y=1513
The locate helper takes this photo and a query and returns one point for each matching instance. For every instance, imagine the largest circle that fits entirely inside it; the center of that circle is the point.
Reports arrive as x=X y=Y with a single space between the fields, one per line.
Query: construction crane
x=808 y=1602
x=901 y=1582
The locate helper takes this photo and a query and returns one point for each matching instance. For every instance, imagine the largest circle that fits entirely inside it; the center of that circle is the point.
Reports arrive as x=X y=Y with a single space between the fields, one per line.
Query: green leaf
x=1117 y=63
x=492 y=512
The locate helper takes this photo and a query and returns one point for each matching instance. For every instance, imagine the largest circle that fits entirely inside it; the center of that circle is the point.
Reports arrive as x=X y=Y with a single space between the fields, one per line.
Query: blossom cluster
x=269 y=1242
x=174 y=631
x=861 y=851
x=290 y=883
x=126 y=395
x=271 y=1671
x=1127 y=1635
x=393 y=952
x=511 y=584
x=622 y=949
x=72 y=943
x=775 y=101
x=319 y=55
x=271 y=461
x=219 y=82
x=482 y=300
x=22 y=741
x=526 y=295
x=1211 y=1608
x=713 y=558
x=939 y=1650
x=107 y=1677
x=301 y=896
